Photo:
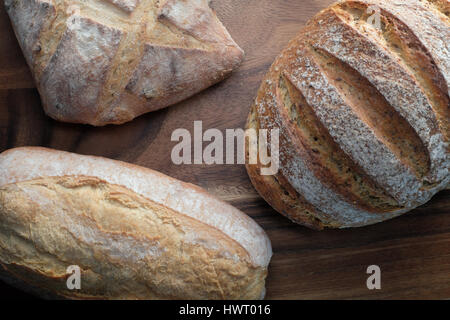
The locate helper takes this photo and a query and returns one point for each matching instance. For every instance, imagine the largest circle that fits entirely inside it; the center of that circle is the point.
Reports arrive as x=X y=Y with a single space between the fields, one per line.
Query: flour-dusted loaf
x=134 y=233
x=363 y=112
x=108 y=61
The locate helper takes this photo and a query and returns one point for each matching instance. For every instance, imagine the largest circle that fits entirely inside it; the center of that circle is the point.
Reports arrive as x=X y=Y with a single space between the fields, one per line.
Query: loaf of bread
x=361 y=98
x=133 y=232
x=104 y=62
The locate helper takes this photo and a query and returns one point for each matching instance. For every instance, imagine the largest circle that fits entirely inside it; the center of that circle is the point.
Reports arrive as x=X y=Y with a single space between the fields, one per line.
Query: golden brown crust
x=128 y=247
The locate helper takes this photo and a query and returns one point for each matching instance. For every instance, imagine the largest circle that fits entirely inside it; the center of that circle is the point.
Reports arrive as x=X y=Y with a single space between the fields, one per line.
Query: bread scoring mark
x=442 y=6
x=177 y=37
x=363 y=51
x=372 y=108
x=126 y=5
x=196 y=19
x=427 y=26
x=412 y=54
x=293 y=164
x=327 y=159
x=139 y=26
x=353 y=135
x=54 y=28
x=105 y=13
x=29 y=19
x=49 y=37
x=169 y=75
x=142 y=28
x=277 y=191
x=402 y=89
x=66 y=84
x=127 y=58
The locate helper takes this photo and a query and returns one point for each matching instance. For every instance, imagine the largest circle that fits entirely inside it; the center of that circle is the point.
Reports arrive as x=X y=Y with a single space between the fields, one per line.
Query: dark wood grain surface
x=413 y=251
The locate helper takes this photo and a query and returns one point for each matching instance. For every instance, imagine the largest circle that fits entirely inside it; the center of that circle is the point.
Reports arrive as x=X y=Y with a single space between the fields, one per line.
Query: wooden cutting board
x=412 y=251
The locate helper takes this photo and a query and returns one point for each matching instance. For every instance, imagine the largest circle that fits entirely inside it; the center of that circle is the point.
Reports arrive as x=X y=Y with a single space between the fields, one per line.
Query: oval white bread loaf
x=363 y=112
x=108 y=61
x=135 y=233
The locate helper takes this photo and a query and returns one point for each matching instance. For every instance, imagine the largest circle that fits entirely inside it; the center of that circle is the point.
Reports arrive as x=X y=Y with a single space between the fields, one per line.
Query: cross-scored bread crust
x=363 y=113
x=90 y=58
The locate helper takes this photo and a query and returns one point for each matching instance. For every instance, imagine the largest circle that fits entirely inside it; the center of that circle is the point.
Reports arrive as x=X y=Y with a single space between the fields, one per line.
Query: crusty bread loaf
x=108 y=61
x=135 y=233
x=363 y=113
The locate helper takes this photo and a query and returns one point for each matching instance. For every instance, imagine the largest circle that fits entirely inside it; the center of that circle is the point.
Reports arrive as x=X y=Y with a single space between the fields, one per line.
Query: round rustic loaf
x=361 y=98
